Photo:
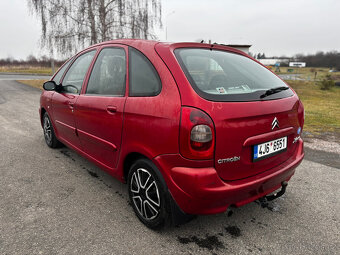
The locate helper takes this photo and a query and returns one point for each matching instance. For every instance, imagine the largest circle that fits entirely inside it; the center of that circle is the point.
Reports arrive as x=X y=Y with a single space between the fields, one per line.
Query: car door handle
x=111 y=109
x=70 y=104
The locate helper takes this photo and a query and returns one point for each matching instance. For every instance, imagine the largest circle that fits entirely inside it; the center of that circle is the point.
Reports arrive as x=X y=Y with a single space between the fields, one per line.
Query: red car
x=192 y=128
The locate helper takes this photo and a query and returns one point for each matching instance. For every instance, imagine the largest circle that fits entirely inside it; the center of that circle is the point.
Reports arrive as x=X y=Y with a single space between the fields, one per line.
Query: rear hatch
x=248 y=104
x=241 y=126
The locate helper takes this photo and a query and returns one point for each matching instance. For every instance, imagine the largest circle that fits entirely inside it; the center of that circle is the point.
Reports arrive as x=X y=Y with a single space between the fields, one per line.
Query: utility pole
x=52 y=62
x=166 y=24
x=52 y=65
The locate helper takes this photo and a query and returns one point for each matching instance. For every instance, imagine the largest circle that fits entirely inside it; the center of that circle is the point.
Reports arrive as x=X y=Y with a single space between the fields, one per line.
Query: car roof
x=147 y=44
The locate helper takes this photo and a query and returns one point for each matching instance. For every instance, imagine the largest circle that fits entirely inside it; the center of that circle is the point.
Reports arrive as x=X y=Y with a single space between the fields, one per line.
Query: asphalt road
x=18 y=76
x=55 y=202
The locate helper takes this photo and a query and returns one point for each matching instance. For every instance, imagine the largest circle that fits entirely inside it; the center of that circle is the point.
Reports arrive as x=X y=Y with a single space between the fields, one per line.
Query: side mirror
x=50 y=85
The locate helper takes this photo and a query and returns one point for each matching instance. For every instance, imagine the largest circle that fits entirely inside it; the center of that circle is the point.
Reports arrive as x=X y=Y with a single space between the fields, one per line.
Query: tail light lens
x=197 y=134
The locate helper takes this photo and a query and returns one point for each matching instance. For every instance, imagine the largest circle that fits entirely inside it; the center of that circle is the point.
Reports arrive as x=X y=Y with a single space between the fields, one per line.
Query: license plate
x=268 y=149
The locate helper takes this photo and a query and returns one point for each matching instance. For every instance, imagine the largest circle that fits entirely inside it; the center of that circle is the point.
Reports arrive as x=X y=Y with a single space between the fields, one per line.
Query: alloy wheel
x=145 y=194
x=47 y=130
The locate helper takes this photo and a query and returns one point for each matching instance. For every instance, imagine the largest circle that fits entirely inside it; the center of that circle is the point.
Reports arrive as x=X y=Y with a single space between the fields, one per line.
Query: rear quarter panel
x=151 y=124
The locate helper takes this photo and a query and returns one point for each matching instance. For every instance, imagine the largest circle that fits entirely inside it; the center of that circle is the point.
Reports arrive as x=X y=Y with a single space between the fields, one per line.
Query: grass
x=34 y=83
x=308 y=73
x=322 y=107
x=26 y=69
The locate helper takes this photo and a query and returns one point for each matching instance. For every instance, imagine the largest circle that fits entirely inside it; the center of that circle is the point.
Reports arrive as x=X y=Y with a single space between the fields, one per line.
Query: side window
x=75 y=75
x=61 y=72
x=143 y=77
x=109 y=73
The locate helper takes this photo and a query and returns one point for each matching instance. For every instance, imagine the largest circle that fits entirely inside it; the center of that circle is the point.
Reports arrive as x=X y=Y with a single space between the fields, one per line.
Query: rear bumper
x=199 y=190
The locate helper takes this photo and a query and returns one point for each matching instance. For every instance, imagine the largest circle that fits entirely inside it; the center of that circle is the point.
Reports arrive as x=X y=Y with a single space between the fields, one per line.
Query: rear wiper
x=273 y=91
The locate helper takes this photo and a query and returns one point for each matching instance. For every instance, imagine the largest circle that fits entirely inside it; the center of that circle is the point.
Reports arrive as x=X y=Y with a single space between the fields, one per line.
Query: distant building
x=297 y=64
x=273 y=61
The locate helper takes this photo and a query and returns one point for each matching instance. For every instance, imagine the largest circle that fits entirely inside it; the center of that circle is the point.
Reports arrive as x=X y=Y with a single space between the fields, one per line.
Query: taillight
x=197 y=134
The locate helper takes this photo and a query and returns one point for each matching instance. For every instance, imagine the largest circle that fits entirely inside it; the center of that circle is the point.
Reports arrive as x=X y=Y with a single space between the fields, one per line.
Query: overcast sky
x=275 y=27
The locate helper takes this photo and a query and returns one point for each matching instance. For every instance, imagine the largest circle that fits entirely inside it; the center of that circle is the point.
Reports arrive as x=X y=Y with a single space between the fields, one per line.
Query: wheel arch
x=129 y=159
x=43 y=110
x=42 y=113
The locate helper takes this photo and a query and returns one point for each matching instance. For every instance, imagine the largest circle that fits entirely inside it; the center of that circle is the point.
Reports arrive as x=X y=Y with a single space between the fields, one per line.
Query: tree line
x=31 y=61
x=320 y=59
x=329 y=59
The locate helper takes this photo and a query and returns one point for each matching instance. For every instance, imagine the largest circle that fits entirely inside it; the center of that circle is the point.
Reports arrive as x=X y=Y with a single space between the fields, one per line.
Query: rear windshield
x=224 y=76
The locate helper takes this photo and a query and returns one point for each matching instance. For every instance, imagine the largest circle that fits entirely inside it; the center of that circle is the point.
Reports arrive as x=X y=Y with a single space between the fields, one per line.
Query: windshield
x=224 y=76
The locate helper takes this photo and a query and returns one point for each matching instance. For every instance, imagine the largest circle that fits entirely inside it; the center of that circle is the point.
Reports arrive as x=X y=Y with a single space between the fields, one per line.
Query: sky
x=275 y=27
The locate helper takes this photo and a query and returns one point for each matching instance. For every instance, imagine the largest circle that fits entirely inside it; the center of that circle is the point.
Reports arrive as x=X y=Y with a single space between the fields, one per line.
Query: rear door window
x=74 y=77
x=143 y=77
x=109 y=73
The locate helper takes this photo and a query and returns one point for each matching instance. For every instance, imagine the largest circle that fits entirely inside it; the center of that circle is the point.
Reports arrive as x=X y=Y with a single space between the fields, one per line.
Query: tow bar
x=265 y=199
x=278 y=194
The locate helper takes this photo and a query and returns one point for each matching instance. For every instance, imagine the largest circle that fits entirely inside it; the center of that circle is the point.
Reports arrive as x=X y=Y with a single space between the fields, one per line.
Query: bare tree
x=68 y=25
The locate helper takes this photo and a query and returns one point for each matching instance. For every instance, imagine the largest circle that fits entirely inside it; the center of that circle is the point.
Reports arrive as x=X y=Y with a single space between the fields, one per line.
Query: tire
x=49 y=135
x=149 y=195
